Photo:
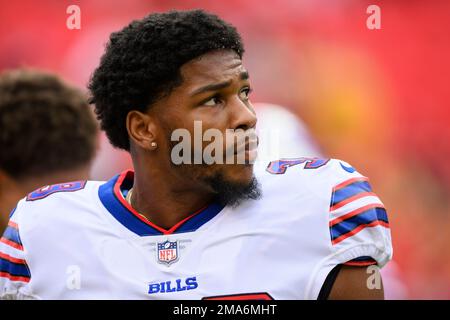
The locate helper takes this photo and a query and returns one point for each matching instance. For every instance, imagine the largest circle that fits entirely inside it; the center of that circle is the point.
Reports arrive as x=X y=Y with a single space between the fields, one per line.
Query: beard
x=233 y=193
x=227 y=192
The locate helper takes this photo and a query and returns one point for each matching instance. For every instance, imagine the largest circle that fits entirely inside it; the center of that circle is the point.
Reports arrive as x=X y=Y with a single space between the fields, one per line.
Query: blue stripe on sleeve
x=14 y=269
x=350 y=191
x=363 y=218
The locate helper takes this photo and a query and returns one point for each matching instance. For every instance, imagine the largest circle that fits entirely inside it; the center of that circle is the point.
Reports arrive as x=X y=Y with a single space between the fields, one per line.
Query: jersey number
x=62 y=187
x=280 y=166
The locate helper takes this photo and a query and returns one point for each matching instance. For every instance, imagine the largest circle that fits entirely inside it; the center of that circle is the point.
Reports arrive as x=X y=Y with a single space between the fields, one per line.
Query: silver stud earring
x=153 y=144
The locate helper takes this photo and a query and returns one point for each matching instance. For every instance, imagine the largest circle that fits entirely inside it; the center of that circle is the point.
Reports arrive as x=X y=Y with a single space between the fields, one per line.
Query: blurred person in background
x=47 y=135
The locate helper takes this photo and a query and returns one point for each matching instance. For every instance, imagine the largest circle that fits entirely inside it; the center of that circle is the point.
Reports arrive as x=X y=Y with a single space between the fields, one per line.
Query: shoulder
x=51 y=204
x=310 y=190
x=67 y=190
x=321 y=176
x=330 y=201
x=323 y=167
x=39 y=226
x=338 y=200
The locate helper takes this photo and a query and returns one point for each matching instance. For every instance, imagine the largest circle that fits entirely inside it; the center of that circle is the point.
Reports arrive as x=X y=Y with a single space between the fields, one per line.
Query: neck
x=166 y=199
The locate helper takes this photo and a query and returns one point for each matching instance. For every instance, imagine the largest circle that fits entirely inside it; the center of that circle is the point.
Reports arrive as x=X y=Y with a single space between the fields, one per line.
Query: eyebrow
x=217 y=86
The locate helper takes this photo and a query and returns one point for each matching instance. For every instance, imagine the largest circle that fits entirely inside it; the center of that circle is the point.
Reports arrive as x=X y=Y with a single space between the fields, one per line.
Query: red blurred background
x=378 y=99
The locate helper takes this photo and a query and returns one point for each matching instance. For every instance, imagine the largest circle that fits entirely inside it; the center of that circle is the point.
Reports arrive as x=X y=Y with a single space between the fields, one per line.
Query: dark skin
x=215 y=90
x=351 y=284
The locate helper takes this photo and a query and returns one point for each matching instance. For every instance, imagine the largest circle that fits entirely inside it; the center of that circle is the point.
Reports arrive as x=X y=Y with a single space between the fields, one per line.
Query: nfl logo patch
x=167 y=252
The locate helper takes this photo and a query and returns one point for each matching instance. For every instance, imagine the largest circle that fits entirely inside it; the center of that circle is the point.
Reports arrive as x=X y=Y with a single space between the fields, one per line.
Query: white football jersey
x=81 y=240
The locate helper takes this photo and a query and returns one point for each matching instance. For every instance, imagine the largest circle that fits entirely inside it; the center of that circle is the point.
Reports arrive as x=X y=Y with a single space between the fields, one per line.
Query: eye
x=245 y=93
x=212 y=102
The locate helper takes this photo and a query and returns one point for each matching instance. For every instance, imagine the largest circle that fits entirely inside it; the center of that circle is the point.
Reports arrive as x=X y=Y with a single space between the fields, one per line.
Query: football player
x=305 y=228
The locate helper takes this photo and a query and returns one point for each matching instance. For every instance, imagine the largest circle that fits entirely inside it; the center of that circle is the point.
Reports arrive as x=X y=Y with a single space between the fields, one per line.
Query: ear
x=142 y=129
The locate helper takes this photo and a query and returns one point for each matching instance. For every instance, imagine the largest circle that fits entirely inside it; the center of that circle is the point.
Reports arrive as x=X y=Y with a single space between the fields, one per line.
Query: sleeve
x=15 y=274
x=357 y=224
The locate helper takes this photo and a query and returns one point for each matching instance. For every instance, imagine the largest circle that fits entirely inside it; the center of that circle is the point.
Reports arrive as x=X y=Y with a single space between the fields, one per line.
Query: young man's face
x=214 y=90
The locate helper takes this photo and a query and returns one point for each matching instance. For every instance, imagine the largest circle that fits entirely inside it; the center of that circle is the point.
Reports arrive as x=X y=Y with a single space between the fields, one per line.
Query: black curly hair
x=46 y=126
x=142 y=63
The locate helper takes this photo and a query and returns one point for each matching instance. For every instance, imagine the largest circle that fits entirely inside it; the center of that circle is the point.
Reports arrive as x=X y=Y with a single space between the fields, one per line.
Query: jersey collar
x=111 y=197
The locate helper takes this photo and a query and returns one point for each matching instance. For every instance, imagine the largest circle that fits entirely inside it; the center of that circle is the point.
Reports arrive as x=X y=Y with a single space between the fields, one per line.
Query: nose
x=243 y=115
